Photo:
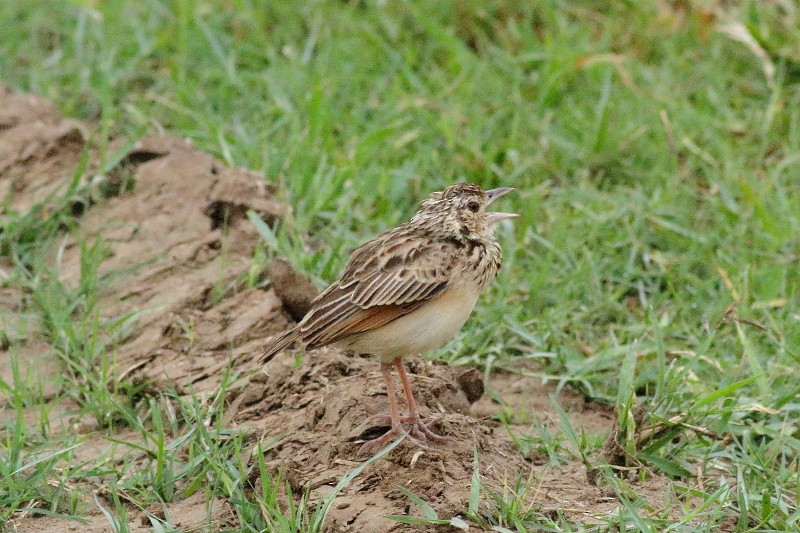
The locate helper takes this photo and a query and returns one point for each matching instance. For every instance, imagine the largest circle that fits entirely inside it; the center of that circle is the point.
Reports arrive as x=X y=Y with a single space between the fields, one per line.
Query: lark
x=406 y=292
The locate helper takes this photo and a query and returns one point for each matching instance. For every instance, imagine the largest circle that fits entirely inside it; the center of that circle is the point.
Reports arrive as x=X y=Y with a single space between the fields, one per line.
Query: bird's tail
x=278 y=344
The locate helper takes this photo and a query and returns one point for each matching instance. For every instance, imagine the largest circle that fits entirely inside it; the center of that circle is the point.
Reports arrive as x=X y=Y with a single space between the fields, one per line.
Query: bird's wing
x=384 y=280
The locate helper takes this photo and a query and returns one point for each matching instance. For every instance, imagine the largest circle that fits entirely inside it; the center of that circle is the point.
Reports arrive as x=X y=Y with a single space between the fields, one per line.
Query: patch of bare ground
x=180 y=250
x=191 y=514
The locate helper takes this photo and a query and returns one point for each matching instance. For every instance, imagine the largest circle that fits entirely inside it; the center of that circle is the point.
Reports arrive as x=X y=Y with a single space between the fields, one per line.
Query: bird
x=408 y=291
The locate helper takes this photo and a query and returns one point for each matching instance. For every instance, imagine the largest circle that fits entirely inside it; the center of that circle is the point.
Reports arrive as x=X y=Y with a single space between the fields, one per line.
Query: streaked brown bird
x=408 y=291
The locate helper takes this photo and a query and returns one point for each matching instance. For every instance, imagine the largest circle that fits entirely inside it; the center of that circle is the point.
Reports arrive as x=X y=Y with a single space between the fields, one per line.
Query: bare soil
x=180 y=249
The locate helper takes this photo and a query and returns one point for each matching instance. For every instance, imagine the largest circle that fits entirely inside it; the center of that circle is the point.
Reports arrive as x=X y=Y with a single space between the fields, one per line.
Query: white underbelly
x=429 y=327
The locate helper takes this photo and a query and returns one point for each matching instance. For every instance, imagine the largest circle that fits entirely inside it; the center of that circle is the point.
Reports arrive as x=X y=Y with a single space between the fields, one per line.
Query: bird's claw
x=423 y=431
x=419 y=434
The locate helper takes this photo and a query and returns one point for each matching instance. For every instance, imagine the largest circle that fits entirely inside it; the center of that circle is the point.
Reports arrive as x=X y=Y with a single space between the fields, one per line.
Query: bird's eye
x=473 y=206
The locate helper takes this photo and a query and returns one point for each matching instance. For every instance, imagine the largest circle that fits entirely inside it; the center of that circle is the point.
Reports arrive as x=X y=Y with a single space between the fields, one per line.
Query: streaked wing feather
x=360 y=321
x=405 y=283
x=377 y=287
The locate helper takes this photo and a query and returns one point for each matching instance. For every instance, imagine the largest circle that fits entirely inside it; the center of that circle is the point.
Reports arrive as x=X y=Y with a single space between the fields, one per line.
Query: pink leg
x=418 y=428
x=394 y=412
x=418 y=432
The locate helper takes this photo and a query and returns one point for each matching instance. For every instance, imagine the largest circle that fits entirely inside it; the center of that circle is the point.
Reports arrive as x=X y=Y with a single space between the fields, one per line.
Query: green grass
x=657 y=170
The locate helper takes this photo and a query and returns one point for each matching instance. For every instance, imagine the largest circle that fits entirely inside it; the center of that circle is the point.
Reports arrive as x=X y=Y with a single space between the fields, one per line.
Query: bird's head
x=461 y=209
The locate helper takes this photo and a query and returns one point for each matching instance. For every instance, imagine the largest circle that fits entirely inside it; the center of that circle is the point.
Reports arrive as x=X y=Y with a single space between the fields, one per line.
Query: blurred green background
x=655 y=148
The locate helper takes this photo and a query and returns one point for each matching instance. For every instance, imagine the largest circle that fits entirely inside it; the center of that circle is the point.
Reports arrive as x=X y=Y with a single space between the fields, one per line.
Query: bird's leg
x=419 y=432
x=394 y=413
x=418 y=428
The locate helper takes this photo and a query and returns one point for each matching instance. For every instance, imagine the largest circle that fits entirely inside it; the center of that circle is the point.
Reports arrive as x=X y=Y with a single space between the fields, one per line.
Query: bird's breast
x=428 y=327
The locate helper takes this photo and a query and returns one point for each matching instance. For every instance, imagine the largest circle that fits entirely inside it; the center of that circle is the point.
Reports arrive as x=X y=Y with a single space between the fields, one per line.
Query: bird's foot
x=381 y=442
x=417 y=433
x=423 y=431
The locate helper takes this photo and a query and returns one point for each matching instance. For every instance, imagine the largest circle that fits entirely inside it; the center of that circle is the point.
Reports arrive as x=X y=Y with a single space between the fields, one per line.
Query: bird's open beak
x=493 y=195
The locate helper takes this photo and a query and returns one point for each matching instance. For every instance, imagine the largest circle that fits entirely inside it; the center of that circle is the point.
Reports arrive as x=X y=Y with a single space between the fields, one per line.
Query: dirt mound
x=180 y=268
x=39 y=149
x=333 y=402
x=182 y=240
